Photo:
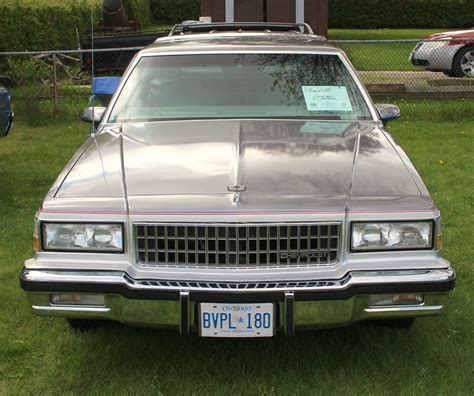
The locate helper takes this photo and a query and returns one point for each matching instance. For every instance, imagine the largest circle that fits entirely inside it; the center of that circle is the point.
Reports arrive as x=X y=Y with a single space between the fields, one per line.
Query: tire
x=461 y=61
x=449 y=73
x=85 y=324
x=402 y=323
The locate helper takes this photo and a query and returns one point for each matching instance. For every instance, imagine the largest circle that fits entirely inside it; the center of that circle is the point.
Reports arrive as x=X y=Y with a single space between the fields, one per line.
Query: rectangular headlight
x=107 y=238
x=392 y=236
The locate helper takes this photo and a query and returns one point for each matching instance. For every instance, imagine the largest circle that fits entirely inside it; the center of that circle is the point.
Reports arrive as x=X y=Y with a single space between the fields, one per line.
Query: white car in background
x=449 y=52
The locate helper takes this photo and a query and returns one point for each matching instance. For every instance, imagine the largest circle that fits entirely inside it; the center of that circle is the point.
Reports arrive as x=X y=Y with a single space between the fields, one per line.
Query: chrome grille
x=237 y=245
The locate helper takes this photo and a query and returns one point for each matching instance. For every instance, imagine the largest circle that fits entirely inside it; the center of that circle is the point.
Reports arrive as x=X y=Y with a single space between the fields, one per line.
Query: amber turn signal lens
x=35 y=243
x=439 y=242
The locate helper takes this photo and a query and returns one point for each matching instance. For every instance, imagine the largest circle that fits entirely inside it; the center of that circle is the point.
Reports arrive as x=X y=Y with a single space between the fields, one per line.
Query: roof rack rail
x=189 y=27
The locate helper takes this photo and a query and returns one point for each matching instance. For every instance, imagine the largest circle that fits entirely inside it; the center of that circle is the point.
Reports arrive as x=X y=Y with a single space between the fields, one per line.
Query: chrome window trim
x=330 y=51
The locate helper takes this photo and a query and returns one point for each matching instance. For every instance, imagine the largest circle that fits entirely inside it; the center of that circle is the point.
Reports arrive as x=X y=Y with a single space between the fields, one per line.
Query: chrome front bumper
x=306 y=304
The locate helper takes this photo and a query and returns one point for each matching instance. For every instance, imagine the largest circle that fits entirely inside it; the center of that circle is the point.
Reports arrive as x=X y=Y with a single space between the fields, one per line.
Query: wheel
x=463 y=62
x=402 y=323
x=85 y=324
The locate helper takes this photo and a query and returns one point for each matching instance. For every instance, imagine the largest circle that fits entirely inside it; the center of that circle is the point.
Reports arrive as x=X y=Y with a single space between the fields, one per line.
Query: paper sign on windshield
x=327 y=98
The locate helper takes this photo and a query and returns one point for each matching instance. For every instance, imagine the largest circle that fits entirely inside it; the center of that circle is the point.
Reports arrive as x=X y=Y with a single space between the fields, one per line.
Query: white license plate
x=236 y=320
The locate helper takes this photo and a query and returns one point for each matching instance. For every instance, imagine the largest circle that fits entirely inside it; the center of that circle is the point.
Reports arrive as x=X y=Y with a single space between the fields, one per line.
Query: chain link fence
x=412 y=69
x=392 y=70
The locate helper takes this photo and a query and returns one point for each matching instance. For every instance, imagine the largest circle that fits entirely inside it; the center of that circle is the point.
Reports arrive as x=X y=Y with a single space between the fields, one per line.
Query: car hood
x=268 y=158
x=465 y=34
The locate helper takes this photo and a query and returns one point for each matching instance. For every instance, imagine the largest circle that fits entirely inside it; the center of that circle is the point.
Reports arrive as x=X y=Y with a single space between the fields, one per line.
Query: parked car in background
x=6 y=115
x=454 y=56
x=240 y=182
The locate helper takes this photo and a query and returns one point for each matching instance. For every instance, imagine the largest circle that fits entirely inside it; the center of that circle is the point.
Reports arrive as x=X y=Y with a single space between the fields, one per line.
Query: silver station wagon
x=240 y=183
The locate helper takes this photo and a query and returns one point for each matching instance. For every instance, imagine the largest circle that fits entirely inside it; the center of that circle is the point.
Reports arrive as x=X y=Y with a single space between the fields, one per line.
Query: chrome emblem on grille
x=303 y=255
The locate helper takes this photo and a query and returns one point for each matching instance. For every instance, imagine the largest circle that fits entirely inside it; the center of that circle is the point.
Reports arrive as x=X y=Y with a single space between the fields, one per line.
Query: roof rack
x=189 y=27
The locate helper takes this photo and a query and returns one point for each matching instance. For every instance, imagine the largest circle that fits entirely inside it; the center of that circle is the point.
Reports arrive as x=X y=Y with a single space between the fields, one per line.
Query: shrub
x=371 y=14
x=138 y=10
x=174 y=11
x=30 y=77
x=37 y=25
x=43 y=25
x=365 y=14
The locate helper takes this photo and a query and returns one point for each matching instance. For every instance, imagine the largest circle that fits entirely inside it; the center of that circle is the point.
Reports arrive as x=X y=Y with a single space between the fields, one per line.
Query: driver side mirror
x=388 y=112
x=93 y=115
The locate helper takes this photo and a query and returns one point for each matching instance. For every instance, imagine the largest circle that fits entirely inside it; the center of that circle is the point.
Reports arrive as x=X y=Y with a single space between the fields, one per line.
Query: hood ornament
x=237 y=190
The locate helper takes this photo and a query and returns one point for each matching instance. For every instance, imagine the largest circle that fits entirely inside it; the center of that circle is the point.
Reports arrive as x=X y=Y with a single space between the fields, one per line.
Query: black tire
x=457 y=70
x=449 y=73
x=402 y=323
x=85 y=324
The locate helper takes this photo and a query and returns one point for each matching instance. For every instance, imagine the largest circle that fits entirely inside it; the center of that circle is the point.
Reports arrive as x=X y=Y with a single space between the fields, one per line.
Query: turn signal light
x=439 y=242
x=395 y=299
x=36 y=236
x=78 y=299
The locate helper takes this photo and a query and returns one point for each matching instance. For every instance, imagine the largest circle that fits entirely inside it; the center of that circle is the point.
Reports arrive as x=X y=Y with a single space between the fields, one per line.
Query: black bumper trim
x=420 y=62
x=225 y=296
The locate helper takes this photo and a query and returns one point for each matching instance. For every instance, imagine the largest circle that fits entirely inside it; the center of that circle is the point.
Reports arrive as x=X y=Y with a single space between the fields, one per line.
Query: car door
x=6 y=116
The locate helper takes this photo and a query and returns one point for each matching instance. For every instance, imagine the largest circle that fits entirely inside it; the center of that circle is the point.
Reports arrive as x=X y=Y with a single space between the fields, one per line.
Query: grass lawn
x=381 y=34
x=44 y=356
x=380 y=56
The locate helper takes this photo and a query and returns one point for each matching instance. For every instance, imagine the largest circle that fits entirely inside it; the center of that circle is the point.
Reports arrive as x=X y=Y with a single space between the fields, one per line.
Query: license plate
x=236 y=320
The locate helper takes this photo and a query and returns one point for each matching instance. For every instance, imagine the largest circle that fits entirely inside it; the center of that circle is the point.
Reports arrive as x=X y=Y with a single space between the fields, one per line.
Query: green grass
x=158 y=27
x=380 y=56
x=381 y=34
x=43 y=356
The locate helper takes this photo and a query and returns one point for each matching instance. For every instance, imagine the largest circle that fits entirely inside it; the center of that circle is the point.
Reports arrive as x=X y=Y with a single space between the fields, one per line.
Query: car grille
x=237 y=245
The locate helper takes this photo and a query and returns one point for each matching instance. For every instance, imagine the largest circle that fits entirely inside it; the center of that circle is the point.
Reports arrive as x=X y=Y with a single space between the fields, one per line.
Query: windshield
x=240 y=86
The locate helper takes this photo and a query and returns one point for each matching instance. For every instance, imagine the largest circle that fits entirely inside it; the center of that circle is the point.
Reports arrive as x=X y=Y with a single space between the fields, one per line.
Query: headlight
x=436 y=44
x=392 y=236
x=83 y=237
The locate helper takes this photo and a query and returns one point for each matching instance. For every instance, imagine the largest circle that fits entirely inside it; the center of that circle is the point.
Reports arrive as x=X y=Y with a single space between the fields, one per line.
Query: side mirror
x=93 y=115
x=388 y=112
